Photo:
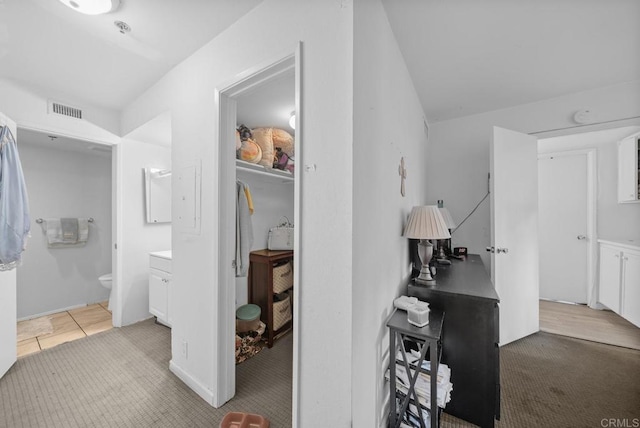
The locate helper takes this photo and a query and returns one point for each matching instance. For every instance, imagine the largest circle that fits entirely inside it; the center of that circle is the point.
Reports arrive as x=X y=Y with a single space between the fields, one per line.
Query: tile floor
x=67 y=326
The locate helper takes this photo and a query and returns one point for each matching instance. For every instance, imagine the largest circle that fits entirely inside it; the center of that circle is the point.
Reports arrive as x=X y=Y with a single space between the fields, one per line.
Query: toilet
x=106 y=280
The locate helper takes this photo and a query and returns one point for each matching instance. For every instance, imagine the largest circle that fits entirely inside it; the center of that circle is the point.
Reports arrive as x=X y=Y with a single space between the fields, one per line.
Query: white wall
x=458 y=161
x=136 y=238
x=388 y=125
x=29 y=109
x=270 y=30
x=614 y=220
x=272 y=199
x=64 y=183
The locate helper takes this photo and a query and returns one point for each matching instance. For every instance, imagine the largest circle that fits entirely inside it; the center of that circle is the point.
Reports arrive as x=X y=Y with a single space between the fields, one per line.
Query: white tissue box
x=405 y=302
x=418 y=314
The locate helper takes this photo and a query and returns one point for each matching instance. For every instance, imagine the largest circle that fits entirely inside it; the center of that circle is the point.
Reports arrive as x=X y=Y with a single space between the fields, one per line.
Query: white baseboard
x=205 y=393
x=69 y=308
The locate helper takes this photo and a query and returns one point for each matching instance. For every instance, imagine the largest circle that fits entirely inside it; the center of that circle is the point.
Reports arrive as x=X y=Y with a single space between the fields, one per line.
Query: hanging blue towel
x=14 y=203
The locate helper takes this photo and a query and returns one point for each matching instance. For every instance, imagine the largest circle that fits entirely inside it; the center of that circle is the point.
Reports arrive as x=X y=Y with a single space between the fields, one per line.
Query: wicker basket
x=282 y=277
x=281 y=312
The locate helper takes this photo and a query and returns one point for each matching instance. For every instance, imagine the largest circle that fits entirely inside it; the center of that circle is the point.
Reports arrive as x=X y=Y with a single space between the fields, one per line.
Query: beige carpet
x=29 y=329
x=555 y=381
x=120 y=378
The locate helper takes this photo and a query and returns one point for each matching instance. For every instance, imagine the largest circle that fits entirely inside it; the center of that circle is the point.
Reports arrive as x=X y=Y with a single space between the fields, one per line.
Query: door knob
x=497 y=250
x=581 y=237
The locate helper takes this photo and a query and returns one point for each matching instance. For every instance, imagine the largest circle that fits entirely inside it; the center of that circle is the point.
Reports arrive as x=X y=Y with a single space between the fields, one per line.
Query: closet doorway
x=265 y=96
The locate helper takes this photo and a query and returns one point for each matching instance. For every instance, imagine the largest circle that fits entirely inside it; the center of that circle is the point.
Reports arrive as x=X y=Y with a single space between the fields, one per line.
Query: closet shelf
x=259 y=170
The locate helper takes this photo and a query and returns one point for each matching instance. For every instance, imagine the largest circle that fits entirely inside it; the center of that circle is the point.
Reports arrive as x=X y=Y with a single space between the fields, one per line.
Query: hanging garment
x=244 y=229
x=14 y=203
x=247 y=193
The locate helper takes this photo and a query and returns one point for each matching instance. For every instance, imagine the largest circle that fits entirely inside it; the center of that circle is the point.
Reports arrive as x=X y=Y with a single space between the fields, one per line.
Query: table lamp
x=451 y=224
x=424 y=223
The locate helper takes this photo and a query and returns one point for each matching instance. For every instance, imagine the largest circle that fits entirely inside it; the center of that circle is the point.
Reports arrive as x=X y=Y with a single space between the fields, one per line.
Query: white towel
x=54 y=231
x=444 y=372
x=422 y=387
x=83 y=230
x=55 y=237
x=69 y=230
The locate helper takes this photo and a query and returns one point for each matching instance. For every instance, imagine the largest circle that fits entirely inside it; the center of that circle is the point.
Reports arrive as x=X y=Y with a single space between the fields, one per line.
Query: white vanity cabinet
x=160 y=286
x=629 y=169
x=619 y=286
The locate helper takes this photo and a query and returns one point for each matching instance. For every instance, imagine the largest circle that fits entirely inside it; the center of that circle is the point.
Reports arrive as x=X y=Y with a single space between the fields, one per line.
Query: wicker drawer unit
x=271 y=288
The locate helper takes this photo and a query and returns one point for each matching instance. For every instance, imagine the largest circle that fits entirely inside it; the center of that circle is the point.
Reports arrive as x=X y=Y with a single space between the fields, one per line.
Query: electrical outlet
x=185 y=349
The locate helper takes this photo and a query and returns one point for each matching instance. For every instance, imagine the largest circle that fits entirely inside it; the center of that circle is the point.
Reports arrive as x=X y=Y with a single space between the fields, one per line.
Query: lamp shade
x=426 y=222
x=451 y=224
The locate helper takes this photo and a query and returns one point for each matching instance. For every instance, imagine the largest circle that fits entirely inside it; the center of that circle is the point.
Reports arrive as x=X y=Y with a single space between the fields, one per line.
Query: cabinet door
x=158 y=295
x=609 y=287
x=631 y=287
x=628 y=170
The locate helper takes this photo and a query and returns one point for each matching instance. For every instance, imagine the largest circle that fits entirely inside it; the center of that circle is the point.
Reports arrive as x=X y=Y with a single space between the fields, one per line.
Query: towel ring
x=40 y=220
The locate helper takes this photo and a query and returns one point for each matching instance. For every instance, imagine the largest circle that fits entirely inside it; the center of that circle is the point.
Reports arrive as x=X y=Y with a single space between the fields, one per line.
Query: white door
x=514 y=226
x=563 y=207
x=8 y=303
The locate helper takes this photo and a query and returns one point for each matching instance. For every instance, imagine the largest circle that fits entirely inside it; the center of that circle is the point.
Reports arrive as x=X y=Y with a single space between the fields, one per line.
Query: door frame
x=592 y=208
x=225 y=100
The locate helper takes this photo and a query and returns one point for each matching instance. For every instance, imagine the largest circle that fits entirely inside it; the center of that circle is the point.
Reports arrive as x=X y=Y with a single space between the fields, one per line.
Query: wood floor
x=51 y=330
x=582 y=322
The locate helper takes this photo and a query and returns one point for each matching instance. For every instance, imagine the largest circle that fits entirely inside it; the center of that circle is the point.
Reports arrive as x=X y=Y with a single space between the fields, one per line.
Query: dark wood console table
x=466 y=294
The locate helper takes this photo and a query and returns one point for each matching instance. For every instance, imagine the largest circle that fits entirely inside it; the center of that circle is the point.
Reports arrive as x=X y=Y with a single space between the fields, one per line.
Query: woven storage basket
x=282 y=277
x=281 y=312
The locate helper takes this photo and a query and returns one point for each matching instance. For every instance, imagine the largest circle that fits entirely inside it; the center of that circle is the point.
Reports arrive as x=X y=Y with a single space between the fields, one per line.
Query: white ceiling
x=270 y=104
x=470 y=56
x=74 y=57
x=465 y=56
x=48 y=141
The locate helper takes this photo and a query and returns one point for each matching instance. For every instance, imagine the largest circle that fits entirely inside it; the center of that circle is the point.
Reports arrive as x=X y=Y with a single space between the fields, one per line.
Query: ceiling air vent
x=64 y=110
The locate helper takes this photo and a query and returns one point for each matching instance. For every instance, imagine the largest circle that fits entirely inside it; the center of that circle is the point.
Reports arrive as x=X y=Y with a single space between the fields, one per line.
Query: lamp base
x=425 y=276
x=423 y=281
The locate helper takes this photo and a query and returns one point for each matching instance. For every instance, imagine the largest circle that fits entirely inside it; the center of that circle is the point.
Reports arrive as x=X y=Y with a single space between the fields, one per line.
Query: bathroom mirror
x=157 y=195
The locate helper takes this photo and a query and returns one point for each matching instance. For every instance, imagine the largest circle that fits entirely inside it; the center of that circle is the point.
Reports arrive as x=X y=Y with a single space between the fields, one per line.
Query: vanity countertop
x=632 y=244
x=162 y=254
